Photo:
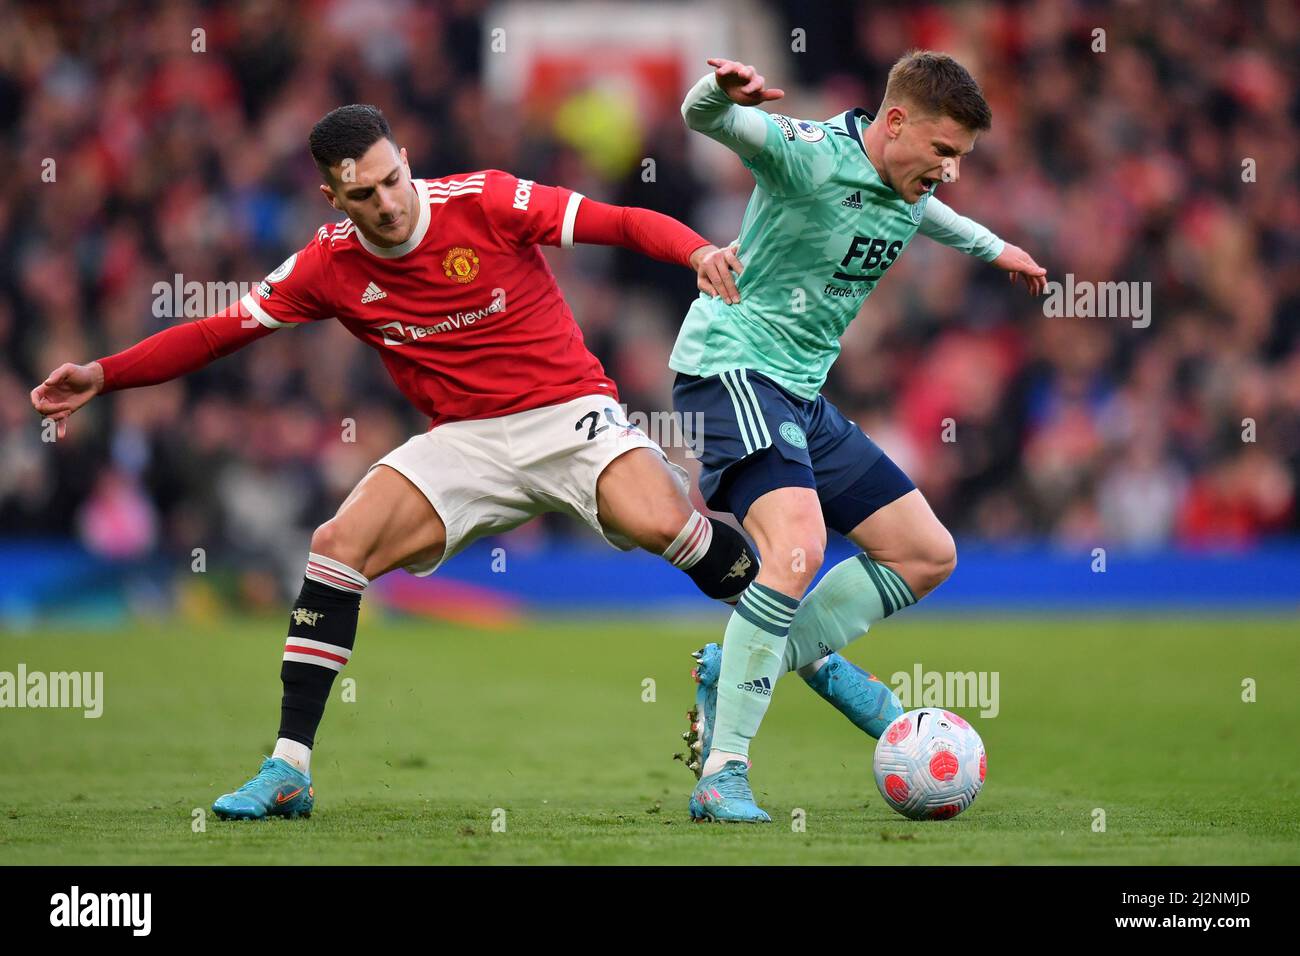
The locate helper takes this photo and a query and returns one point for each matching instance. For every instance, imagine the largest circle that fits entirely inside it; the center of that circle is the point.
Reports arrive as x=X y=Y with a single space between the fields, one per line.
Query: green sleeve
x=788 y=157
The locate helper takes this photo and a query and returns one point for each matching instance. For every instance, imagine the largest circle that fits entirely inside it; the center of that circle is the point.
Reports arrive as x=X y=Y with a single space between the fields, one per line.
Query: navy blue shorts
x=754 y=437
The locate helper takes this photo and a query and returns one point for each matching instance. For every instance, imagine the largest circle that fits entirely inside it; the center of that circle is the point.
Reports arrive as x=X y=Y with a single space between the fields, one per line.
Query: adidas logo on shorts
x=854 y=201
x=761 y=686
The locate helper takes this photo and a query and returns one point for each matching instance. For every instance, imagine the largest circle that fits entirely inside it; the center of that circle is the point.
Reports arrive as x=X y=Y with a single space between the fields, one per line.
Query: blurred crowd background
x=1123 y=165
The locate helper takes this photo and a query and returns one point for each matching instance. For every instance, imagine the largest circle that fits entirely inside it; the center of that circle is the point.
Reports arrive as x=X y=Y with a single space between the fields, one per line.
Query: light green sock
x=852 y=596
x=752 y=660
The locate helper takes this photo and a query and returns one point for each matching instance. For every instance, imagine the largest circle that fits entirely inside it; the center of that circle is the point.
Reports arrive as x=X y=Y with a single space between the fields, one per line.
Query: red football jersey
x=466 y=314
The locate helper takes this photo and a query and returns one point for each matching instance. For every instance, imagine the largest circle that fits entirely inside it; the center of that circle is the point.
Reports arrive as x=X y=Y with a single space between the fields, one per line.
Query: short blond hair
x=937 y=85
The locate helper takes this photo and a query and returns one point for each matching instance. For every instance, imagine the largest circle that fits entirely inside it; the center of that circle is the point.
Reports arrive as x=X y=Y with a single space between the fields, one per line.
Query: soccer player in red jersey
x=444 y=278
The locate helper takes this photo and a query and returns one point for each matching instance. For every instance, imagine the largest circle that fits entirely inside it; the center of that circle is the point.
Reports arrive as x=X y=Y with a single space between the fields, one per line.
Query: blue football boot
x=861 y=697
x=725 y=797
x=708 y=666
x=279 y=790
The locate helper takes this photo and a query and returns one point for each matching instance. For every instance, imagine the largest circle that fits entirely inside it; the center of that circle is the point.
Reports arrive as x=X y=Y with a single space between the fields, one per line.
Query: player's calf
x=638 y=496
x=912 y=554
x=386 y=522
x=322 y=630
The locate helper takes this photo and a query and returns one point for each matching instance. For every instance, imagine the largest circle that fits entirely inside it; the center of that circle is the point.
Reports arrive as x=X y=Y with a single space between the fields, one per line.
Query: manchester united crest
x=460 y=264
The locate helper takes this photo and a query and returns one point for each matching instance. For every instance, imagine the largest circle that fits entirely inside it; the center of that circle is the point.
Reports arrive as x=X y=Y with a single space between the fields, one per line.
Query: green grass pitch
x=1141 y=717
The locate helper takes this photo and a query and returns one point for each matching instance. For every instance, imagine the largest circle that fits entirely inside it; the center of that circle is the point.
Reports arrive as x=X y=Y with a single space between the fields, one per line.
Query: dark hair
x=346 y=132
x=938 y=85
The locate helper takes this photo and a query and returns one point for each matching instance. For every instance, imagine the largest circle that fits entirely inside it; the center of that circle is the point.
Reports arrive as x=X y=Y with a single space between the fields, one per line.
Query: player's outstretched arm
x=161 y=357
x=943 y=224
x=719 y=106
x=660 y=237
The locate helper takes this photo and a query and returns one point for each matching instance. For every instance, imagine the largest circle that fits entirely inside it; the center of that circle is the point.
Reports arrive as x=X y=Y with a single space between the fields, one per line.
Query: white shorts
x=489 y=475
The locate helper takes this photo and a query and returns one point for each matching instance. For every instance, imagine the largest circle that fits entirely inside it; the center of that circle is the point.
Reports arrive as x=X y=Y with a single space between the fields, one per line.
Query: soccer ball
x=930 y=764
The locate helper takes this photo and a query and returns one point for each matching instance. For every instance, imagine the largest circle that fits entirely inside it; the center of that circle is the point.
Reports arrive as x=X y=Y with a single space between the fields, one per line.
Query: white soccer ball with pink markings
x=930 y=764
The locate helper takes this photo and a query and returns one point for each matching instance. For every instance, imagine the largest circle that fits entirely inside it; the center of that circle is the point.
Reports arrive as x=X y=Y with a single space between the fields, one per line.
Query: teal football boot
x=860 y=696
x=725 y=797
x=699 y=736
x=279 y=790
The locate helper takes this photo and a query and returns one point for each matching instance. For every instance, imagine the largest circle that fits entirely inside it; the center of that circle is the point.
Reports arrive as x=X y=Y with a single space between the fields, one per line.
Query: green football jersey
x=821 y=229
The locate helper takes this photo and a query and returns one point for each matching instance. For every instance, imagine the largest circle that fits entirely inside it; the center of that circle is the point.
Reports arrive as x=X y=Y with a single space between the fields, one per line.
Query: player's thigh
x=639 y=497
x=876 y=505
x=790 y=535
x=584 y=459
x=384 y=523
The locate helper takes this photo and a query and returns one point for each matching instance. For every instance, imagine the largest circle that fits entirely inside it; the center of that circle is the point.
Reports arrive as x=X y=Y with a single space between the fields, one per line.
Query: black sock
x=715 y=556
x=322 y=629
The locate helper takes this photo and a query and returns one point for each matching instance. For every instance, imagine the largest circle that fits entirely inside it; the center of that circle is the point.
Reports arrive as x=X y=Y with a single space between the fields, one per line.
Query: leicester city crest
x=918 y=209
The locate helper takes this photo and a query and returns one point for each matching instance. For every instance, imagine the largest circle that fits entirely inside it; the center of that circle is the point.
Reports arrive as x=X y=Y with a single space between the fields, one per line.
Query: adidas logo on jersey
x=373 y=294
x=761 y=686
x=854 y=201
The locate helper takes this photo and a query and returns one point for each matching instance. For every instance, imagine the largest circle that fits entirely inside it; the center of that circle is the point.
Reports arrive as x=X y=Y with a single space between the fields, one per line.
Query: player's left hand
x=1020 y=264
x=713 y=268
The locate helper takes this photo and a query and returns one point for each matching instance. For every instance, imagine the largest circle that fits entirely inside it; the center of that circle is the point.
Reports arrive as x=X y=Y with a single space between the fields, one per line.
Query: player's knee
x=791 y=564
x=333 y=540
x=932 y=564
x=808 y=558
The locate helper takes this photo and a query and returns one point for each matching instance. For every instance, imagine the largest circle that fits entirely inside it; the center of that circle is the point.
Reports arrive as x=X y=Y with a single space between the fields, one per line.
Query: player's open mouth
x=926 y=185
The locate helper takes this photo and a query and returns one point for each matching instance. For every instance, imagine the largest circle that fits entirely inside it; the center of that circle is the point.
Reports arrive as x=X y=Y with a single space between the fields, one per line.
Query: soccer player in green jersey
x=834 y=205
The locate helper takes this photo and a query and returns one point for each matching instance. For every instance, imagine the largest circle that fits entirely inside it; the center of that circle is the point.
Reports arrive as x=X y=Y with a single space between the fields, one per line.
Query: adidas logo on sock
x=854 y=201
x=373 y=294
x=761 y=686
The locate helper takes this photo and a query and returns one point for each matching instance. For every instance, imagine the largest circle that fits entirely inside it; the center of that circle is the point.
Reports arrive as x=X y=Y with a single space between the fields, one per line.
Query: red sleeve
x=527 y=213
x=298 y=289
x=642 y=230
x=295 y=292
x=180 y=349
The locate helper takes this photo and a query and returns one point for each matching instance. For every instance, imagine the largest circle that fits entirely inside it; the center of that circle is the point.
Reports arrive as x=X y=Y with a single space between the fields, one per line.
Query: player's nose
x=389 y=206
x=951 y=167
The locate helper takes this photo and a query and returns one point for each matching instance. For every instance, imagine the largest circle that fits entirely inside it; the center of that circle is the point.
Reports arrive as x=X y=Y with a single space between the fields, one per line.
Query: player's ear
x=895 y=117
x=405 y=162
x=329 y=195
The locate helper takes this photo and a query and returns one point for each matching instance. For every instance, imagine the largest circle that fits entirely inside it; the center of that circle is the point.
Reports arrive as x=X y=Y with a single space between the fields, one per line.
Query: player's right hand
x=66 y=389
x=742 y=82
x=713 y=268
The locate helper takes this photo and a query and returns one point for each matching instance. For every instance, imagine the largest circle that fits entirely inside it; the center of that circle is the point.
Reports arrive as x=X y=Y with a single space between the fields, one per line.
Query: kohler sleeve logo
x=523 y=193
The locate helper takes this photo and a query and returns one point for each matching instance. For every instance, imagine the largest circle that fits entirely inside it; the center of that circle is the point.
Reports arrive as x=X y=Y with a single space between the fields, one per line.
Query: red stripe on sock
x=671 y=554
x=298 y=649
x=691 y=543
x=334 y=578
